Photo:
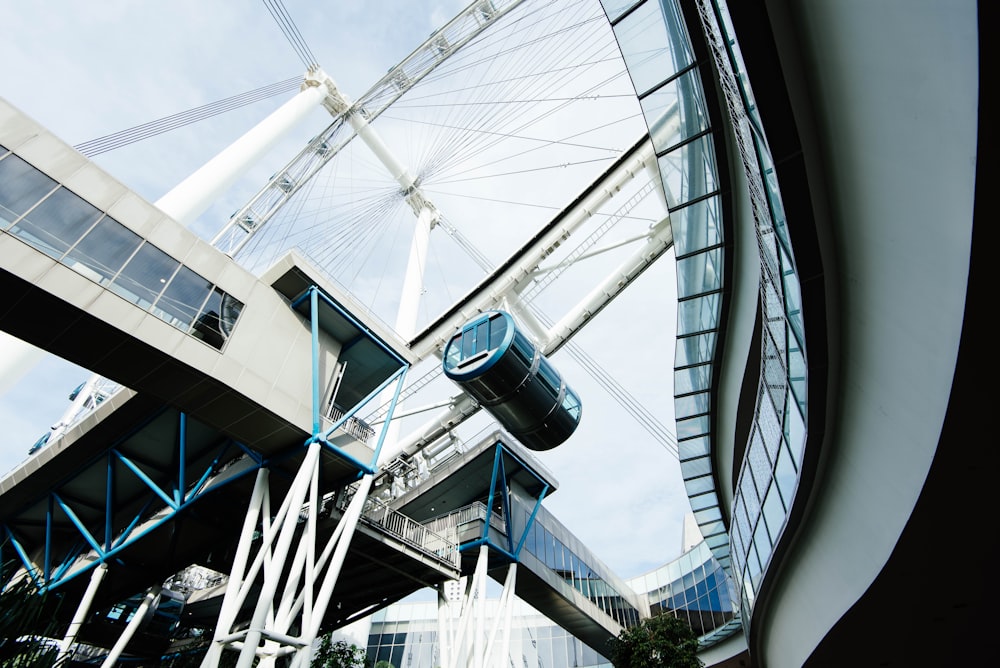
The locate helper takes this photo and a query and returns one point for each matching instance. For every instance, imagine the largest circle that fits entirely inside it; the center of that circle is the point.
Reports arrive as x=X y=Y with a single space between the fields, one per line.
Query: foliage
x=663 y=641
x=27 y=624
x=339 y=654
x=384 y=664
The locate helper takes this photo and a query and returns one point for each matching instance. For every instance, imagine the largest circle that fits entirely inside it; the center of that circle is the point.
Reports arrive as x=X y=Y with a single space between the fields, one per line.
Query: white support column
x=446 y=629
x=197 y=192
x=148 y=600
x=16 y=359
x=81 y=612
x=496 y=655
x=286 y=570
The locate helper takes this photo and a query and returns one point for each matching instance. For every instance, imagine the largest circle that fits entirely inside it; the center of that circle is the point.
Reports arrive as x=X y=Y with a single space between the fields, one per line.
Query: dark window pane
x=181 y=302
x=103 y=250
x=21 y=187
x=145 y=276
x=57 y=223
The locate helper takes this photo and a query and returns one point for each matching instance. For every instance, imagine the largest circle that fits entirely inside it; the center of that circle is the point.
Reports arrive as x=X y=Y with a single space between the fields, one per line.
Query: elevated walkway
x=228 y=374
x=557 y=574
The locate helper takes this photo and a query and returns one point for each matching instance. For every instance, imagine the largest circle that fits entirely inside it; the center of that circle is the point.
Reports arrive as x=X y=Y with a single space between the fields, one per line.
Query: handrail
x=376 y=513
x=353 y=426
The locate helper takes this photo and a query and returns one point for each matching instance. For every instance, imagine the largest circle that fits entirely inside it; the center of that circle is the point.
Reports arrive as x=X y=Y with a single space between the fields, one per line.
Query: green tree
x=338 y=654
x=27 y=623
x=663 y=641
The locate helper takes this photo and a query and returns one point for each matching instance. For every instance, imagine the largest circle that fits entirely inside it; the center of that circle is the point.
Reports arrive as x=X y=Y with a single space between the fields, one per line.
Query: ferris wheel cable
x=291 y=32
x=538 y=118
x=136 y=133
x=544 y=142
x=492 y=68
x=524 y=171
x=467 y=58
x=530 y=75
x=573 y=98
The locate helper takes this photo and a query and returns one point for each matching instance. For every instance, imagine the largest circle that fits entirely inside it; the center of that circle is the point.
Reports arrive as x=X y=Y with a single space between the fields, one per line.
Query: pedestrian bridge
x=219 y=364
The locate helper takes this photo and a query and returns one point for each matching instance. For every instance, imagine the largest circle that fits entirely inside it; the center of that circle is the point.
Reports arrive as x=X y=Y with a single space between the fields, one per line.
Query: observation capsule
x=503 y=370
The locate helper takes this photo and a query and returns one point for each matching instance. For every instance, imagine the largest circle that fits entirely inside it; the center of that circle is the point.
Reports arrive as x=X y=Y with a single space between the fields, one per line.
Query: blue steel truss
x=499 y=486
x=168 y=492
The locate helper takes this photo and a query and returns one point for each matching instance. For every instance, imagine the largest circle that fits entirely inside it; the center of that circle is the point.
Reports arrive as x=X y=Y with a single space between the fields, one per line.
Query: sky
x=85 y=70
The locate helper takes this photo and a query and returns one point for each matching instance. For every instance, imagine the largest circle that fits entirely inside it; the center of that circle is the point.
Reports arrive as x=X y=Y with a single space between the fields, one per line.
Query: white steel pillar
x=286 y=570
x=81 y=612
x=198 y=191
x=148 y=600
x=16 y=359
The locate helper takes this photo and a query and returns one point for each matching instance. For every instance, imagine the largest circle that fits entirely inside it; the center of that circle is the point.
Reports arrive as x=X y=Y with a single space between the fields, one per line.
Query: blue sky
x=85 y=70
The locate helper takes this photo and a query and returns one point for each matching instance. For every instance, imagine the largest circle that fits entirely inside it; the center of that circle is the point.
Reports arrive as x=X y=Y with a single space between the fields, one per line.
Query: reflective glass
x=696 y=226
x=645 y=46
x=700 y=273
x=103 y=251
x=615 y=8
x=751 y=502
x=774 y=512
x=689 y=171
x=217 y=318
x=693 y=447
x=704 y=501
x=181 y=302
x=692 y=379
x=695 y=349
x=57 y=222
x=698 y=314
x=708 y=515
x=784 y=474
x=702 y=484
x=21 y=187
x=694 y=404
x=145 y=276
x=694 y=468
x=695 y=426
x=795 y=434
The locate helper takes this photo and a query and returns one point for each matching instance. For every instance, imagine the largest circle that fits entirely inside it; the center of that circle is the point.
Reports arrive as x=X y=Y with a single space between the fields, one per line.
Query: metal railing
x=379 y=515
x=475 y=512
x=357 y=428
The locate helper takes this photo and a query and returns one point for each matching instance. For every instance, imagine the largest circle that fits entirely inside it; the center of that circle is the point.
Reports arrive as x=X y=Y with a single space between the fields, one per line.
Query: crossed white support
x=462 y=648
x=285 y=598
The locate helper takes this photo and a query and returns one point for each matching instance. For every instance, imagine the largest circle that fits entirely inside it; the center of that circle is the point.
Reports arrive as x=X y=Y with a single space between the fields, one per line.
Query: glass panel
x=692 y=379
x=699 y=273
x=704 y=501
x=688 y=172
x=698 y=314
x=21 y=187
x=675 y=112
x=181 y=302
x=695 y=349
x=217 y=317
x=694 y=404
x=498 y=330
x=694 y=468
x=615 y=8
x=693 y=447
x=695 y=426
x=695 y=485
x=642 y=37
x=103 y=251
x=57 y=223
x=784 y=474
x=774 y=512
x=145 y=276
x=696 y=226
x=795 y=434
